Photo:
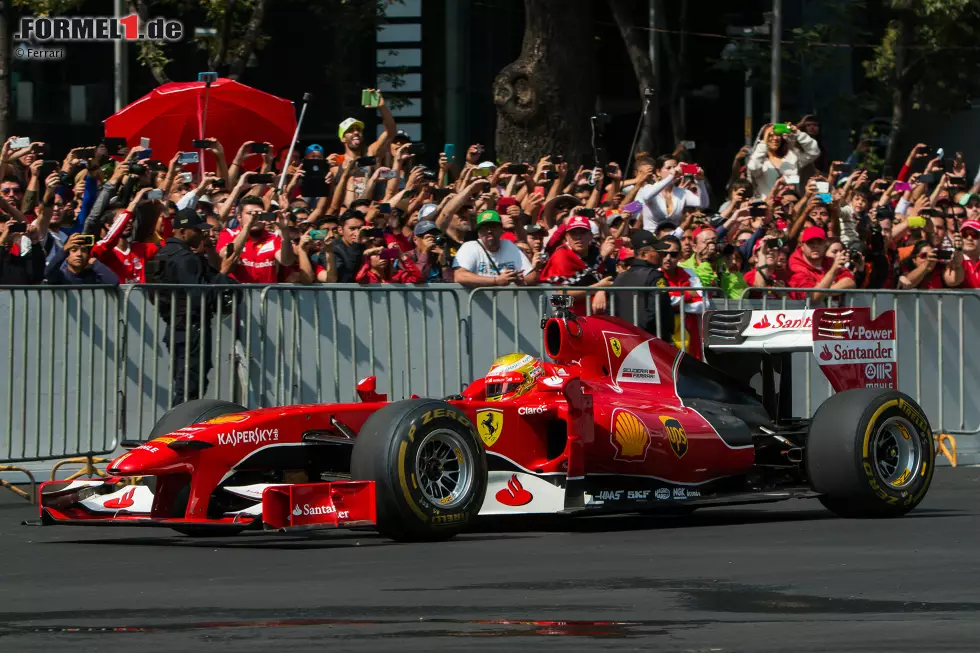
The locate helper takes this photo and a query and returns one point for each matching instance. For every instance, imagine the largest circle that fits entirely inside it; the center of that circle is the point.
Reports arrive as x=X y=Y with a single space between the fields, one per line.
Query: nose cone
x=149 y=459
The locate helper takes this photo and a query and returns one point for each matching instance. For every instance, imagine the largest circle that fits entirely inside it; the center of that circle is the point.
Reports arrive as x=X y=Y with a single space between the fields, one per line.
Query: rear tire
x=870 y=453
x=186 y=414
x=429 y=469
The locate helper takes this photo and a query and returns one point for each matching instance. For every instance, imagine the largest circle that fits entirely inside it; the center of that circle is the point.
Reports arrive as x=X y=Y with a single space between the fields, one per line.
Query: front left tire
x=429 y=469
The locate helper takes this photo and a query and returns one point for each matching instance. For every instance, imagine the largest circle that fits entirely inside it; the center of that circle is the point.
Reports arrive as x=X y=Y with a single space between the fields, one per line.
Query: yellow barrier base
x=942 y=440
x=88 y=467
x=16 y=490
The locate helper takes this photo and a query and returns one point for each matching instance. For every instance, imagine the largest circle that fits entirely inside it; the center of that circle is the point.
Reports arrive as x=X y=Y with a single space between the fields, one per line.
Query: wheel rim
x=896 y=452
x=444 y=468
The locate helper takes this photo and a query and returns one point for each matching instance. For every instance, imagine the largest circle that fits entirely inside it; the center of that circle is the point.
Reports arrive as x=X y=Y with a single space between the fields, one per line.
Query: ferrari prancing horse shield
x=617 y=347
x=489 y=424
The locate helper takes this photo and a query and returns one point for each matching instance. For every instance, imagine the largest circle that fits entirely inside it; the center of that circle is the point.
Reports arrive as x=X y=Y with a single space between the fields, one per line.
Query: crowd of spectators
x=374 y=213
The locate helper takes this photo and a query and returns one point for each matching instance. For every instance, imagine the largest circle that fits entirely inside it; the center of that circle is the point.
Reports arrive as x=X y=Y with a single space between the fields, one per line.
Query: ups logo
x=676 y=435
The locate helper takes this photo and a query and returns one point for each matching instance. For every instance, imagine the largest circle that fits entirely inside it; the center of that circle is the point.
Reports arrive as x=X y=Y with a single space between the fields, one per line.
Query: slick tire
x=192 y=412
x=870 y=453
x=186 y=414
x=429 y=469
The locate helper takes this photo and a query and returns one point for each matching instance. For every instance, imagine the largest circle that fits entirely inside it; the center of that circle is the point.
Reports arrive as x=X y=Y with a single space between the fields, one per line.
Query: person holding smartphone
x=384 y=264
x=20 y=266
x=664 y=200
x=490 y=260
x=76 y=267
x=782 y=150
x=260 y=241
x=579 y=262
x=118 y=251
x=922 y=269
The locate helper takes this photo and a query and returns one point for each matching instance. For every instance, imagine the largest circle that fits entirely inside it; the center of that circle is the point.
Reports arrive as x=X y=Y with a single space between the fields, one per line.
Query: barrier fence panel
x=59 y=379
x=320 y=341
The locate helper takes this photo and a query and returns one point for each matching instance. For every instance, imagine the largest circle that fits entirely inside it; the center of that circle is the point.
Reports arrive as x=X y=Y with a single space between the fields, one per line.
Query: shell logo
x=629 y=436
x=676 y=435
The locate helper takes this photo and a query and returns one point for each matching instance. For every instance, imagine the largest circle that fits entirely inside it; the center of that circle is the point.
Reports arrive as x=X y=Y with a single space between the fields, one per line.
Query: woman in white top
x=777 y=155
x=660 y=206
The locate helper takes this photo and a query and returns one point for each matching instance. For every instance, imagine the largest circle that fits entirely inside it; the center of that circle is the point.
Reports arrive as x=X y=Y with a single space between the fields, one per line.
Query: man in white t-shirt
x=490 y=261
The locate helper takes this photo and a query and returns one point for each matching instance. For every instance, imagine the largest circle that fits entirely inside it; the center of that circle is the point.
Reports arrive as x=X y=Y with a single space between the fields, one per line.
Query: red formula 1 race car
x=618 y=422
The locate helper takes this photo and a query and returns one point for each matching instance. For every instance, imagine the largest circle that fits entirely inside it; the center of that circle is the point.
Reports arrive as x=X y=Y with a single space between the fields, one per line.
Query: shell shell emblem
x=629 y=436
x=676 y=435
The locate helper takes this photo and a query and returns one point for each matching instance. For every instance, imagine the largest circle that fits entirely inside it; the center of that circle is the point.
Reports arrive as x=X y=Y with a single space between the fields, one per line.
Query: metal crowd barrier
x=88 y=367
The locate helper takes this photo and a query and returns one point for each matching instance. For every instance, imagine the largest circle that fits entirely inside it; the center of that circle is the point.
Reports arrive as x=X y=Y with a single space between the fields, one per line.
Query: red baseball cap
x=578 y=222
x=970 y=224
x=813 y=233
x=697 y=232
x=625 y=254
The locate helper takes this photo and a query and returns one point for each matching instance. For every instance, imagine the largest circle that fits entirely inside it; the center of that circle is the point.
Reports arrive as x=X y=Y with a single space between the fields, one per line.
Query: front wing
x=283 y=508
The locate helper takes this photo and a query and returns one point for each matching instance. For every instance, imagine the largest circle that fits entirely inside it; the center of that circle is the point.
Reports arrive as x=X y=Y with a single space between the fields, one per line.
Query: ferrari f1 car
x=616 y=422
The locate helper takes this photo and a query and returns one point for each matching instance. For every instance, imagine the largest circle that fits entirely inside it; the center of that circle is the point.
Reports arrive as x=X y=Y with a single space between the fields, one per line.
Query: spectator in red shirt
x=263 y=252
x=380 y=265
x=678 y=277
x=810 y=267
x=579 y=262
x=922 y=269
x=126 y=258
x=970 y=232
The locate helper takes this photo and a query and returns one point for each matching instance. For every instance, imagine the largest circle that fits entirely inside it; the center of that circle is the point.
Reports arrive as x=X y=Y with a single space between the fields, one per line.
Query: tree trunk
x=544 y=99
x=901 y=91
x=252 y=32
x=5 y=104
x=676 y=65
x=636 y=48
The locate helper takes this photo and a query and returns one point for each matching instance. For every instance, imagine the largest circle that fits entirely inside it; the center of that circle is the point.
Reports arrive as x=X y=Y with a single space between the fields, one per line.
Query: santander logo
x=825 y=354
x=796 y=321
x=123 y=501
x=514 y=494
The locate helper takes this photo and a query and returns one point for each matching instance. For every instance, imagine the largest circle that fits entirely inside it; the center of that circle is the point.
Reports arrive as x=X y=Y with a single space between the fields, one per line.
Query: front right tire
x=870 y=453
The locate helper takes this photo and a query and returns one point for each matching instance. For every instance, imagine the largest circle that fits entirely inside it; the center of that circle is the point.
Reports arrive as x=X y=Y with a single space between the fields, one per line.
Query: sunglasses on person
x=972 y=235
x=670 y=253
x=9 y=191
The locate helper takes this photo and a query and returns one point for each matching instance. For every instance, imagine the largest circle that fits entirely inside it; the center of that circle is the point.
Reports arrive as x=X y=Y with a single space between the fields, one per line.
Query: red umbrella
x=171 y=116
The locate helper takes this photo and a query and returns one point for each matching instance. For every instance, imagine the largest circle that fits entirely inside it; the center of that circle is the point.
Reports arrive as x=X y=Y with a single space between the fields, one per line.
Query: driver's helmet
x=511 y=376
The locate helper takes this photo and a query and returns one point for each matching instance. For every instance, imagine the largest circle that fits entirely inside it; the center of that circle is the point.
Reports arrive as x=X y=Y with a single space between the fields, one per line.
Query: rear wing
x=853 y=349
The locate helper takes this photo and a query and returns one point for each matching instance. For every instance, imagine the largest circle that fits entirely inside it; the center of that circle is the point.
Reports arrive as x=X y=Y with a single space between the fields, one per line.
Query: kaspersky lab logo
x=98 y=28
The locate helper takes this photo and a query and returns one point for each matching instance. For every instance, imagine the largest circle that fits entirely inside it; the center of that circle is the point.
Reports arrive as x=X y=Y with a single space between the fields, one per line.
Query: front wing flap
x=114 y=502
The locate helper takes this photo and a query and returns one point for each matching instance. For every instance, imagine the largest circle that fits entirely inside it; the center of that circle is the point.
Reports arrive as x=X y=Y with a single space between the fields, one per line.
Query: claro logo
x=255 y=436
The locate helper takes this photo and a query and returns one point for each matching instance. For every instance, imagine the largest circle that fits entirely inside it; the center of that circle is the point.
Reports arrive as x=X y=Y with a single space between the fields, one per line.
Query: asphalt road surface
x=783 y=578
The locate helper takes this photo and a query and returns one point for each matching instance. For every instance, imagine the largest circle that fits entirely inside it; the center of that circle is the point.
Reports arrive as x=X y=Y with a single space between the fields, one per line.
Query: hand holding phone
x=689 y=169
x=200 y=144
x=264 y=178
x=20 y=143
x=188 y=157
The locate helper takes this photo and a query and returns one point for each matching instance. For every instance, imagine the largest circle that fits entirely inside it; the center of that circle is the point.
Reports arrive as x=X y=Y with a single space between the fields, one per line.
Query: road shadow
x=261 y=541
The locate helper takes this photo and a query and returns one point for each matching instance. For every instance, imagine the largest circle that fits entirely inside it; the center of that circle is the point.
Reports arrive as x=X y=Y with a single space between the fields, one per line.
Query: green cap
x=486 y=217
x=345 y=126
